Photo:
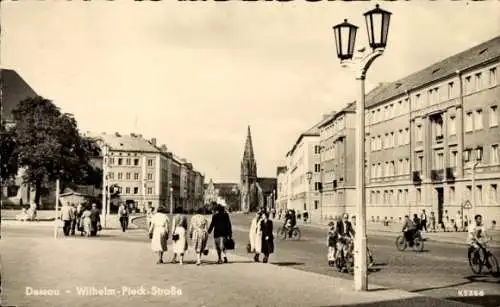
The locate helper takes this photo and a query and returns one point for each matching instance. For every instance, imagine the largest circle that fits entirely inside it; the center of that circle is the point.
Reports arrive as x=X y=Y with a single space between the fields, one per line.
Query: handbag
x=205 y=252
x=150 y=235
x=175 y=236
x=229 y=244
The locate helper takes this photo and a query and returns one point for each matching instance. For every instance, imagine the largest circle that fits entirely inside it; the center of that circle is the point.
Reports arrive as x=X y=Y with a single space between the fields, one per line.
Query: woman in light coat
x=255 y=236
x=159 y=230
x=198 y=232
x=180 y=245
x=86 y=221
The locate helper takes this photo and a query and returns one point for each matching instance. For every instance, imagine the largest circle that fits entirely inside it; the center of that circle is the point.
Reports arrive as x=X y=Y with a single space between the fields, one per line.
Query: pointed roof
x=248 y=154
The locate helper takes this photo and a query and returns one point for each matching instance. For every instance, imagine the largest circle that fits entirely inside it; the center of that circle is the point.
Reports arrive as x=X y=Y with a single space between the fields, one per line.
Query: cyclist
x=290 y=222
x=476 y=236
x=344 y=231
x=409 y=230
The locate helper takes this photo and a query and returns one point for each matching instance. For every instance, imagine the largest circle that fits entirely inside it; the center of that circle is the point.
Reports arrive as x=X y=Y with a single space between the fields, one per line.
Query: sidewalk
x=67 y=266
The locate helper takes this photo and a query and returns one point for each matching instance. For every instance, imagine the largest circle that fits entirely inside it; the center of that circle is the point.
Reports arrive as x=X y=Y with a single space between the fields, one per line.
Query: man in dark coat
x=344 y=230
x=95 y=220
x=266 y=226
x=221 y=225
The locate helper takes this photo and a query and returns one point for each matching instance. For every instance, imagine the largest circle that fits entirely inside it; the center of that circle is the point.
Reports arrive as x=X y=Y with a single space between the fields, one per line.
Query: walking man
x=221 y=225
x=123 y=216
x=423 y=220
x=73 y=219
x=95 y=220
x=66 y=217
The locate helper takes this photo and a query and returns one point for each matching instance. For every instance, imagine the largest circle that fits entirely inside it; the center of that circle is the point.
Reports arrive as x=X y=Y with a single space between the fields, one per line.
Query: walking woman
x=199 y=236
x=266 y=228
x=180 y=245
x=86 y=221
x=255 y=237
x=159 y=229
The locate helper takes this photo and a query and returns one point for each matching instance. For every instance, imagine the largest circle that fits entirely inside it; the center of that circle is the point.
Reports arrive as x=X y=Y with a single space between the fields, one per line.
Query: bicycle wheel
x=475 y=262
x=492 y=264
x=401 y=243
x=281 y=234
x=296 y=234
x=418 y=245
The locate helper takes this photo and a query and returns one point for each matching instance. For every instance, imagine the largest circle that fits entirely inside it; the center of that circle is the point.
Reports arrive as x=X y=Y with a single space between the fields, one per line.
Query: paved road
x=440 y=271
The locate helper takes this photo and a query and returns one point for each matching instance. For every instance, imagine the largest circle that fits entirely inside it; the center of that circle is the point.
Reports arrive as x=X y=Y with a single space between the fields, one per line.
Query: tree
x=8 y=154
x=49 y=145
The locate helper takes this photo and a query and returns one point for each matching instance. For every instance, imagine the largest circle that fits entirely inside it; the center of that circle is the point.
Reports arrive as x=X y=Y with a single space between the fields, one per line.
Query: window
x=493 y=76
x=379 y=145
x=468 y=122
x=494 y=154
x=387 y=142
x=379 y=170
x=393 y=168
x=317 y=149
x=150 y=162
x=136 y=162
x=407 y=166
x=467 y=153
x=127 y=176
x=317 y=186
x=391 y=109
x=136 y=176
x=127 y=161
x=120 y=161
x=120 y=176
x=407 y=136
x=419 y=195
x=136 y=190
x=467 y=85
x=111 y=161
x=479 y=81
x=479 y=119
x=373 y=119
x=150 y=176
x=316 y=204
x=400 y=108
x=391 y=139
x=450 y=90
x=419 y=134
x=417 y=101
x=373 y=144
x=494 y=193
x=452 y=126
x=493 y=116
x=440 y=160
x=454 y=159
x=420 y=163
x=150 y=191
x=111 y=175
x=479 y=193
x=127 y=190
x=317 y=168
x=401 y=137
x=452 y=195
x=400 y=197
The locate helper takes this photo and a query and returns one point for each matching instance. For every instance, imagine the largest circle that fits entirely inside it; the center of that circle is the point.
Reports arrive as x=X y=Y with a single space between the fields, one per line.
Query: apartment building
x=282 y=188
x=430 y=133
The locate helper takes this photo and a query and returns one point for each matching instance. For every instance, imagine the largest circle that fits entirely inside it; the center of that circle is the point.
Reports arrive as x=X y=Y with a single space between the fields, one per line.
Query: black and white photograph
x=263 y=153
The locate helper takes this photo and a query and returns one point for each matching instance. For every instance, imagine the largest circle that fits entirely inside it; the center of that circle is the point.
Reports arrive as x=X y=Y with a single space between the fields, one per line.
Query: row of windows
x=472 y=83
x=135 y=191
x=474 y=119
x=334 y=127
x=129 y=161
x=390 y=168
x=389 y=197
x=390 y=140
x=119 y=176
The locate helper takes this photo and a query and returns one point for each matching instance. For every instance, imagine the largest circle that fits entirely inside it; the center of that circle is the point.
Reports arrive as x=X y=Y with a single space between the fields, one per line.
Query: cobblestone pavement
x=122 y=266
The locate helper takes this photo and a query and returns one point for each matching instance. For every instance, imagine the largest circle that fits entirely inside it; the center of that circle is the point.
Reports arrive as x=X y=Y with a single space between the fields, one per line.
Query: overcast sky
x=195 y=74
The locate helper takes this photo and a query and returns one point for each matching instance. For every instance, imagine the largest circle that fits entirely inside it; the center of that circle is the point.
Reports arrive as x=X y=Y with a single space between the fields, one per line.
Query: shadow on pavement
x=211 y=262
x=485 y=301
x=419 y=301
x=287 y=263
x=468 y=280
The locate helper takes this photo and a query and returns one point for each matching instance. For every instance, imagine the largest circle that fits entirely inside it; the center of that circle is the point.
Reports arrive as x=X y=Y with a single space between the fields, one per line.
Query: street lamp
x=309 y=177
x=478 y=157
x=377 y=23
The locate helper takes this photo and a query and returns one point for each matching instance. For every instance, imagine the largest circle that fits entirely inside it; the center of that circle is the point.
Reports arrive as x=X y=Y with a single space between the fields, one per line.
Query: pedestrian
x=459 y=221
x=331 y=242
x=416 y=220
x=159 y=232
x=254 y=236
x=66 y=217
x=266 y=228
x=273 y=212
x=123 y=216
x=95 y=219
x=221 y=225
x=432 y=219
x=199 y=236
x=73 y=219
x=86 y=221
x=180 y=246
x=149 y=214
x=306 y=216
x=423 y=220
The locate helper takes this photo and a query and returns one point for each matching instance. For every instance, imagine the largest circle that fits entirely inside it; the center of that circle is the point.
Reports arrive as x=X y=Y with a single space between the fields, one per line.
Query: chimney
x=153 y=141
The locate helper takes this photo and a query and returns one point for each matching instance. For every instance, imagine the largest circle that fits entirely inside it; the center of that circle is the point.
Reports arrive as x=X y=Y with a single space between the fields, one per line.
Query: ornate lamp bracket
x=362 y=61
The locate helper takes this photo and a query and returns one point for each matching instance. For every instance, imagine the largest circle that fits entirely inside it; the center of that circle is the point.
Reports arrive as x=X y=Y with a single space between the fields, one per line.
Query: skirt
x=159 y=240
x=199 y=240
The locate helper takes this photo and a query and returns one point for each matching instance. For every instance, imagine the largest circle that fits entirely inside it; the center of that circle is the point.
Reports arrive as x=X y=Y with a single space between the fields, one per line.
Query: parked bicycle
x=418 y=242
x=284 y=233
x=481 y=258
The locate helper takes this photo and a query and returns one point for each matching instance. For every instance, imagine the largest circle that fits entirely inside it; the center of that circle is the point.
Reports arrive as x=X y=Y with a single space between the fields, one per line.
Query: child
x=331 y=242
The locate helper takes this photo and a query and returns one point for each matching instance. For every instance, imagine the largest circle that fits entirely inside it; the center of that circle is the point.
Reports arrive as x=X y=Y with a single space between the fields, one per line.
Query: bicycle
x=418 y=242
x=488 y=260
x=283 y=233
x=345 y=262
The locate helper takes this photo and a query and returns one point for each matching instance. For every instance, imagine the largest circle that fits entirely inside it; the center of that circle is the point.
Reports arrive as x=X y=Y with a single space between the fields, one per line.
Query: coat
x=267 y=245
x=255 y=236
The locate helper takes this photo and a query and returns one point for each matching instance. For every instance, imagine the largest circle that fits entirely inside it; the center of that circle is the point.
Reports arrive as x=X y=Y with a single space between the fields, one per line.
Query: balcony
x=437 y=174
x=450 y=174
x=417 y=177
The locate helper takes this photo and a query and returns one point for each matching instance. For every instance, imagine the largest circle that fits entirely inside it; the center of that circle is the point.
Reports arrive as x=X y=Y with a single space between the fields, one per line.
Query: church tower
x=248 y=172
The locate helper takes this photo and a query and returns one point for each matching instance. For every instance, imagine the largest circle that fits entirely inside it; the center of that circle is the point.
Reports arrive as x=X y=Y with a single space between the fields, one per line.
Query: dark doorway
x=440 y=203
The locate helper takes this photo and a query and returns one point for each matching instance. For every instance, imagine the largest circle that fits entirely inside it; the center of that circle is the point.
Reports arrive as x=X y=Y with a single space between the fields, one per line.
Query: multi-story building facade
x=282 y=188
x=337 y=140
x=430 y=133
x=199 y=179
x=304 y=157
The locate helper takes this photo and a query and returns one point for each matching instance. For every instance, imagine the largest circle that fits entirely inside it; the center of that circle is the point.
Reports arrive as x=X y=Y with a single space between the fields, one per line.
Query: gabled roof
x=477 y=55
x=14 y=90
x=125 y=142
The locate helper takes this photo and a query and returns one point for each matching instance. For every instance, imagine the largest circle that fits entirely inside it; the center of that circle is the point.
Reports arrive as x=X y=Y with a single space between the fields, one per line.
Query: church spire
x=248 y=154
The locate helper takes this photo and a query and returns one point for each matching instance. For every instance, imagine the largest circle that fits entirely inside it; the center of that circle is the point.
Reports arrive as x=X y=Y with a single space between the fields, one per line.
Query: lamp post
x=171 y=197
x=309 y=177
x=377 y=22
x=478 y=157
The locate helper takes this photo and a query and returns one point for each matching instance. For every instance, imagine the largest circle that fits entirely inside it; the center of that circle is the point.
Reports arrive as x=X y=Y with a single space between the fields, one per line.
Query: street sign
x=467 y=205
